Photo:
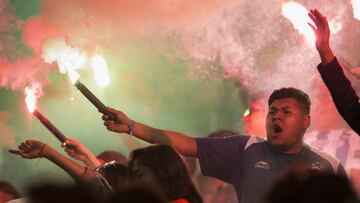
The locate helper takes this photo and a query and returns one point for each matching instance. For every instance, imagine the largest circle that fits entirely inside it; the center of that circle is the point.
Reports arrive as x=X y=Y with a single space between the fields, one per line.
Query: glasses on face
x=107 y=165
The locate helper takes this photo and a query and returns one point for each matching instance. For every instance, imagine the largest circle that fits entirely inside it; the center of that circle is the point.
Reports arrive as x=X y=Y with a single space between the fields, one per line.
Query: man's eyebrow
x=282 y=108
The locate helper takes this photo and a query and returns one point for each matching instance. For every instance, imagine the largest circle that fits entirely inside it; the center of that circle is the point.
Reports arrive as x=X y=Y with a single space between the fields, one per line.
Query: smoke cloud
x=7 y=136
x=18 y=67
x=248 y=40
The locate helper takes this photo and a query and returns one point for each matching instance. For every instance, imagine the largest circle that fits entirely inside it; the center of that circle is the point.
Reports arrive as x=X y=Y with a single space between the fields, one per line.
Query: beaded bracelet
x=41 y=153
x=131 y=127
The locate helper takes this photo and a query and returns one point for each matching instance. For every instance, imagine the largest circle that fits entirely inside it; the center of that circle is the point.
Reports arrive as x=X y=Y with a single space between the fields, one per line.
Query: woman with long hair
x=162 y=165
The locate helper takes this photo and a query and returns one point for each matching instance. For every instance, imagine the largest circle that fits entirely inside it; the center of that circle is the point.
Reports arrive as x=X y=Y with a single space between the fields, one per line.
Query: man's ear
x=307 y=121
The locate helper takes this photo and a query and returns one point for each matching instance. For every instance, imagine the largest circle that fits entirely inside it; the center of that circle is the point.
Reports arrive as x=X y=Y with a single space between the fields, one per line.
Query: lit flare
x=32 y=93
x=298 y=15
x=356 y=8
x=100 y=70
x=67 y=58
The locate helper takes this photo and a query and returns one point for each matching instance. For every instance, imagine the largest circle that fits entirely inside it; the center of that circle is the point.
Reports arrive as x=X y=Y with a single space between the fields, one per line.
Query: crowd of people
x=277 y=168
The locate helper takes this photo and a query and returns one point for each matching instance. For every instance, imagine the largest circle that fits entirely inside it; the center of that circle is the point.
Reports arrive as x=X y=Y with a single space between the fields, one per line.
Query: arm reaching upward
x=77 y=150
x=31 y=149
x=322 y=34
x=343 y=94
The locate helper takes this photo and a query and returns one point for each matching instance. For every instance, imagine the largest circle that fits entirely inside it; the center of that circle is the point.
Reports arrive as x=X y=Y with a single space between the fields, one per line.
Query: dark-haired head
x=287 y=119
x=293 y=93
x=162 y=164
x=115 y=173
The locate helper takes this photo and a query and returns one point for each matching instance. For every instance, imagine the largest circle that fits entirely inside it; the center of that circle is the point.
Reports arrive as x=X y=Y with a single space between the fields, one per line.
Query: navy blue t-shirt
x=252 y=166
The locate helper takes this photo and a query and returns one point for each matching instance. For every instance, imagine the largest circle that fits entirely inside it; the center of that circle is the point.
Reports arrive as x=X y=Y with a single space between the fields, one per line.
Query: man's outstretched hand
x=120 y=124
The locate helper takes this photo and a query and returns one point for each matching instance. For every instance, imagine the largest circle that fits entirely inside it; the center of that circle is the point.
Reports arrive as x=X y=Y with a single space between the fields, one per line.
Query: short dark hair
x=291 y=92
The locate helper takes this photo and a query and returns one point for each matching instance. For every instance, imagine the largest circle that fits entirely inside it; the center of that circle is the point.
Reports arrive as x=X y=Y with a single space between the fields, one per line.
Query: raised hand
x=78 y=151
x=120 y=124
x=30 y=149
x=321 y=29
x=75 y=149
x=322 y=33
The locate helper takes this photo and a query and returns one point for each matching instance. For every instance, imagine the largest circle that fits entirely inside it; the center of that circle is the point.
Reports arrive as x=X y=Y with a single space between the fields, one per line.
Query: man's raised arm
x=184 y=144
x=344 y=96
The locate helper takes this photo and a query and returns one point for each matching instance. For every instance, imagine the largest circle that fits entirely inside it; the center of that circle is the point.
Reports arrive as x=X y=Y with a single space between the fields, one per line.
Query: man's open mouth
x=277 y=129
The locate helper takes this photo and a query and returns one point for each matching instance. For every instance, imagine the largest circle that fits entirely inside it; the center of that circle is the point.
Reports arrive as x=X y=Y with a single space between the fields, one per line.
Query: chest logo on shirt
x=262 y=164
x=317 y=166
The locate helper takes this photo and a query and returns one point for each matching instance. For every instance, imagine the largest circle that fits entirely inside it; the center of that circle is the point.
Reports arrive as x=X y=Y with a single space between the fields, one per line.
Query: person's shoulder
x=237 y=136
x=335 y=163
x=252 y=139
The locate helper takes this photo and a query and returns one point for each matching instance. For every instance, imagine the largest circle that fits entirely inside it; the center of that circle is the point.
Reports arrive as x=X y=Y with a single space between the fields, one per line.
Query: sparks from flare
x=356 y=8
x=298 y=15
x=67 y=58
x=100 y=70
x=32 y=93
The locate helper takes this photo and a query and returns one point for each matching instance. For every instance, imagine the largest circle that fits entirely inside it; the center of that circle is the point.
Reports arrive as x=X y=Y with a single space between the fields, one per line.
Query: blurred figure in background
x=310 y=186
x=50 y=192
x=254 y=118
x=139 y=194
x=162 y=165
x=8 y=192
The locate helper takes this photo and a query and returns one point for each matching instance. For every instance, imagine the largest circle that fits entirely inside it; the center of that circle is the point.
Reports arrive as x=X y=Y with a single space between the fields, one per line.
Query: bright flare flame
x=247 y=112
x=100 y=70
x=356 y=9
x=67 y=58
x=335 y=26
x=32 y=93
x=298 y=15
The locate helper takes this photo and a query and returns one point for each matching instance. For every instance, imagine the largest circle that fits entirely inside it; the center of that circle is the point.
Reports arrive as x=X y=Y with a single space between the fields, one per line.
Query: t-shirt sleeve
x=221 y=157
x=341 y=171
